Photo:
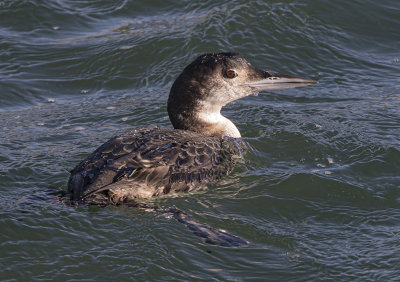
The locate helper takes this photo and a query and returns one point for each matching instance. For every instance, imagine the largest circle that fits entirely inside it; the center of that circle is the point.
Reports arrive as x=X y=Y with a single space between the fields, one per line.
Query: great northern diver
x=150 y=162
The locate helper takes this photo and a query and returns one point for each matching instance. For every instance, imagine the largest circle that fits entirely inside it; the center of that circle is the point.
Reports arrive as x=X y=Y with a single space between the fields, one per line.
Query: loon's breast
x=150 y=162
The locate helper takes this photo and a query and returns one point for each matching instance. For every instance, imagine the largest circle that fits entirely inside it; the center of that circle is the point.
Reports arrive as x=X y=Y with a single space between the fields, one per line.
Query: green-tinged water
x=318 y=197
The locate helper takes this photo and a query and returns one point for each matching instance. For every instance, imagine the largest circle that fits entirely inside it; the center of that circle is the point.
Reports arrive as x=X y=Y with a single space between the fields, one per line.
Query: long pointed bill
x=277 y=81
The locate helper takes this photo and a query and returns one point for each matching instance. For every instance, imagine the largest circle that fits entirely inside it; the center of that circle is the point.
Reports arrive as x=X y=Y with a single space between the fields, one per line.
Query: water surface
x=318 y=196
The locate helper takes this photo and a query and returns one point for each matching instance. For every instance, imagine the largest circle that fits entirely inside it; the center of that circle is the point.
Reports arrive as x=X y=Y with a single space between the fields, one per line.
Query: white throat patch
x=220 y=123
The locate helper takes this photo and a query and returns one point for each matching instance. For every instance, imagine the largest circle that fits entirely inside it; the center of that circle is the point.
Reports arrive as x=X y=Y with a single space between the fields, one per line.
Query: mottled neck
x=203 y=119
x=215 y=124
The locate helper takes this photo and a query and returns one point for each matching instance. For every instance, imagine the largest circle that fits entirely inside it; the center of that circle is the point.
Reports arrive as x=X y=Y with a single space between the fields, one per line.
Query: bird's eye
x=231 y=74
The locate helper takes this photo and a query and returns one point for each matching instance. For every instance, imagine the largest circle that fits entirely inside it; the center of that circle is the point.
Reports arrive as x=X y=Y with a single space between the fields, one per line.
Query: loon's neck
x=215 y=124
x=204 y=119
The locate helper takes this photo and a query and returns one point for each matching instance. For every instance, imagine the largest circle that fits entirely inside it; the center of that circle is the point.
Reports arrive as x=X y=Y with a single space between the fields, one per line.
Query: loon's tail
x=210 y=234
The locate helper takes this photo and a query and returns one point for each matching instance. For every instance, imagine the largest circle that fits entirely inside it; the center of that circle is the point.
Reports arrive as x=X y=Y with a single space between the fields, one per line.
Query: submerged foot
x=211 y=235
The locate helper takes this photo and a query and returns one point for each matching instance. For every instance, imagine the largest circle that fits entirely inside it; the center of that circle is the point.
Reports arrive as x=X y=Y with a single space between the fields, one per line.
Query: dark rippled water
x=318 y=197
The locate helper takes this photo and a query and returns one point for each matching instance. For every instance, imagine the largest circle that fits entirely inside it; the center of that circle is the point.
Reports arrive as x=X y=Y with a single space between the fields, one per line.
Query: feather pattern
x=151 y=162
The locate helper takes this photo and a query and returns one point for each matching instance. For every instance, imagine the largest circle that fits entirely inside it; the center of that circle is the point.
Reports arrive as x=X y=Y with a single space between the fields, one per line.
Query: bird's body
x=151 y=162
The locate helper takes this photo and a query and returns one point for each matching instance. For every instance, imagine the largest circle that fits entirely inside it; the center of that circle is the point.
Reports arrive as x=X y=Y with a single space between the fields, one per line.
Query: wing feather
x=151 y=161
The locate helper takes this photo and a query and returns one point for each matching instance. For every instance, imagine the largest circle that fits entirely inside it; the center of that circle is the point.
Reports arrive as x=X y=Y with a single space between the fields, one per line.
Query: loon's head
x=212 y=81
